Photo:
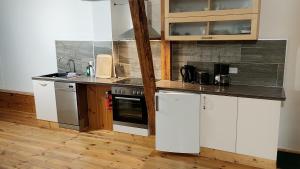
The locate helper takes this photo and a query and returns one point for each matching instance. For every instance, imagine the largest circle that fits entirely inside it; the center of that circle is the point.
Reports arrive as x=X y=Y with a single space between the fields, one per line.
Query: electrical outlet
x=233 y=70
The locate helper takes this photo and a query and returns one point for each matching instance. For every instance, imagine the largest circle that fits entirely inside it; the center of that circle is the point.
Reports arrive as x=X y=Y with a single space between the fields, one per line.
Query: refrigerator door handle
x=204 y=102
x=156 y=103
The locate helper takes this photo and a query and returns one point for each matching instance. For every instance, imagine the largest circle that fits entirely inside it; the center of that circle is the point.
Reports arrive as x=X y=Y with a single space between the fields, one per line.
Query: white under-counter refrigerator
x=178 y=122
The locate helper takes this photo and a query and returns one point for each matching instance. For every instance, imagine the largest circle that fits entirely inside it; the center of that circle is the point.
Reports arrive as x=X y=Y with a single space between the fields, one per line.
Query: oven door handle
x=125 y=98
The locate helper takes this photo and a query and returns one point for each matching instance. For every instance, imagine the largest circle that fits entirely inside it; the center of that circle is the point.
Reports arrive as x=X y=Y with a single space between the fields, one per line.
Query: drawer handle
x=207 y=37
x=44 y=84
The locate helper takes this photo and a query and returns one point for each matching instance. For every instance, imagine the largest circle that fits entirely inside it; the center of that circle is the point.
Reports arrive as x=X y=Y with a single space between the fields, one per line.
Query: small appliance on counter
x=188 y=73
x=202 y=77
x=221 y=74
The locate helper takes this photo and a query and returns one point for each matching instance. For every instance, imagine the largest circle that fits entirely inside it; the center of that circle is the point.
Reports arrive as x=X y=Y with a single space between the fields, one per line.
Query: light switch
x=233 y=70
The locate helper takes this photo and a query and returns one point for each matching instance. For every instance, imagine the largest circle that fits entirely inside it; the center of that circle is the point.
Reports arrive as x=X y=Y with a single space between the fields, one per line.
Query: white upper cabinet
x=45 y=102
x=218 y=122
x=257 y=127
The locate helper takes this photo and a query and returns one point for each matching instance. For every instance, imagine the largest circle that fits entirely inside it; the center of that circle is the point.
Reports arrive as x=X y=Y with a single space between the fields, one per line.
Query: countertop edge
x=70 y=80
x=227 y=94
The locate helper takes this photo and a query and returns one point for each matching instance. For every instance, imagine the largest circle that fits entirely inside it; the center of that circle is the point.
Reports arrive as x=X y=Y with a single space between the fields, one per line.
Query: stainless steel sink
x=56 y=75
x=62 y=75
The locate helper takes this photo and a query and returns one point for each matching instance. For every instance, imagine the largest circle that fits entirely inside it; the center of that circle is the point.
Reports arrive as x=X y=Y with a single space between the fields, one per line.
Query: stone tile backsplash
x=259 y=63
x=81 y=52
x=103 y=47
x=126 y=56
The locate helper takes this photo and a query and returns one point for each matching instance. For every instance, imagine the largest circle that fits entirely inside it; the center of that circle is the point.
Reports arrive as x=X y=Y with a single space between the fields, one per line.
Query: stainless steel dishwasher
x=66 y=102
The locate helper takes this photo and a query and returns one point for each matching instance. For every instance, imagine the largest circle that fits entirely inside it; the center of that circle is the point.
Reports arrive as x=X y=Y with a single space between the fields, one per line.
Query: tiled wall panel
x=259 y=63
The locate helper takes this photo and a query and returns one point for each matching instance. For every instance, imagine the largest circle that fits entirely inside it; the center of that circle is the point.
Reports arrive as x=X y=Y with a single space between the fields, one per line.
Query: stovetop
x=131 y=81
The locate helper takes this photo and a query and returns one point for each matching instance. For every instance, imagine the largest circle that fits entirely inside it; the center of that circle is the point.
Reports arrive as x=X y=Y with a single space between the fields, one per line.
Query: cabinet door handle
x=207 y=37
x=130 y=99
x=156 y=103
x=43 y=84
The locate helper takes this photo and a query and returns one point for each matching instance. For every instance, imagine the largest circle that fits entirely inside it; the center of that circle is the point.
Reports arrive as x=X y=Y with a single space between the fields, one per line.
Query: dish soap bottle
x=90 y=69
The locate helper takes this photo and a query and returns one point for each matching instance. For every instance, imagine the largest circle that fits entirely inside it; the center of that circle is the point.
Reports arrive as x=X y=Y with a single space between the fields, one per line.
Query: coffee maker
x=221 y=74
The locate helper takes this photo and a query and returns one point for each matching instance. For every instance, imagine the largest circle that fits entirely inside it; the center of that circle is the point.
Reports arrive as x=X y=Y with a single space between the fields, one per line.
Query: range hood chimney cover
x=129 y=35
x=153 y=34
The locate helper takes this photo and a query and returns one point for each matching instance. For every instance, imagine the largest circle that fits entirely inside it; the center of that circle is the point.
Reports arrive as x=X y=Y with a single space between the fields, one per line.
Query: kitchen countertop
x=80 y=79
x=269 y=93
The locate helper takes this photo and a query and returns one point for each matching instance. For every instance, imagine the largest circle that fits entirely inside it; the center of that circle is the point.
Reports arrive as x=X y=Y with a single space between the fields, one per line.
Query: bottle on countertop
x=90 y=69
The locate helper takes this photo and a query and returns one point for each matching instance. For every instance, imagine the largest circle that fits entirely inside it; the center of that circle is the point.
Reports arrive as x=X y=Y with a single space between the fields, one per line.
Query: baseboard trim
x=17 y=101
x=16 y=92
x=53 y=126
x=130 y=130
x=238 y=158
x=289 y=151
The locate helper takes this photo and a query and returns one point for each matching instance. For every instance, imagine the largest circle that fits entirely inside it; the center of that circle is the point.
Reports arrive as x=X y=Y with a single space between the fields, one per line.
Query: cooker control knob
x=134 y=92
x=120 y=91
x=138 y=92
x=142 y=93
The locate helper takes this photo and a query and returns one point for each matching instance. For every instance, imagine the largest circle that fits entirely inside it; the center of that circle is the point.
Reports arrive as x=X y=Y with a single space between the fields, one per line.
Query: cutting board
x=104 y=66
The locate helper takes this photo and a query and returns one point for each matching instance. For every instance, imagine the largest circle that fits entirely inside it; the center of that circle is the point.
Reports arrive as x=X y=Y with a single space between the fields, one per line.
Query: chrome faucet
x=69 y=64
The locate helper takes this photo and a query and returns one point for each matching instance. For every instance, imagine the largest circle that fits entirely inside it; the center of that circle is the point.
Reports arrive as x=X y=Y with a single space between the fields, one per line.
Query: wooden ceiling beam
x=140 y=26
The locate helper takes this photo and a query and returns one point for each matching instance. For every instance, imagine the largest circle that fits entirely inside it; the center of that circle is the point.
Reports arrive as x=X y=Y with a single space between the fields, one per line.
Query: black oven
x=129 y=105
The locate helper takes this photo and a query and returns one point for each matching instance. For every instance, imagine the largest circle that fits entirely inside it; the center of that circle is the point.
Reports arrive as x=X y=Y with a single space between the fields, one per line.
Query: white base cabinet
x=177 y=122
x=243 y=126
x=218 y=122
x=257 y=127
x=45 y=102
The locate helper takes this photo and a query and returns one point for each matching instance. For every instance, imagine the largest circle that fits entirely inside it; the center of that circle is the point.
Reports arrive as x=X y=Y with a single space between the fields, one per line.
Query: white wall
x=102 y=21
x=280 y=20
x=1 y=74
x=28 y=32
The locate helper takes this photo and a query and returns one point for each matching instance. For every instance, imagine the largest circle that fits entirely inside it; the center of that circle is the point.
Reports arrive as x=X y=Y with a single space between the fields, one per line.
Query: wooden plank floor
x=23 y=146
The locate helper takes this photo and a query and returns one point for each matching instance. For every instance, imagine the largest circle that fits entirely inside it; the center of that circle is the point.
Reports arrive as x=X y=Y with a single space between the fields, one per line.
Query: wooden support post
x=140 y=26
x=166 y=65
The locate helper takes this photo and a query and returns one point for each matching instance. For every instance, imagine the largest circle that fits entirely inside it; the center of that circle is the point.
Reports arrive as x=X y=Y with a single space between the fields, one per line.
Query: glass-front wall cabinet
x=180 y=6
x=188 y=28
x=237 y=27
x=212 y=19
x=184 y=8
x=231 y=4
